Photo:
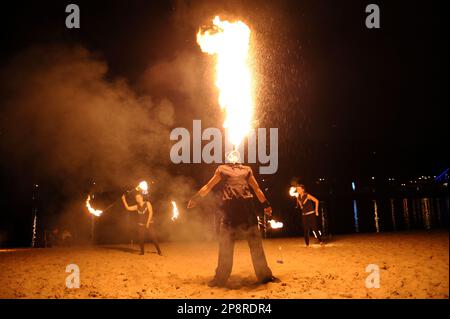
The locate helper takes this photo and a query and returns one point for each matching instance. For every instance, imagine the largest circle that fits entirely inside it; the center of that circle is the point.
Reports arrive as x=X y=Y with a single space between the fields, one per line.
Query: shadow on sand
x=236 y=282
x=122 y=249
x=128 y=250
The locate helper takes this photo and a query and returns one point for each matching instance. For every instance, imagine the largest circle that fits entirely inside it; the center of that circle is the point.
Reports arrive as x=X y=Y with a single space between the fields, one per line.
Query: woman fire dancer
x=239 y=218
x=144 y=221
x=309 y=208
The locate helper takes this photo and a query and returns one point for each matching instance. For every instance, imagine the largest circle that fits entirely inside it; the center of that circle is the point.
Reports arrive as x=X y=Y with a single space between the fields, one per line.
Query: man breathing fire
x=239 y=218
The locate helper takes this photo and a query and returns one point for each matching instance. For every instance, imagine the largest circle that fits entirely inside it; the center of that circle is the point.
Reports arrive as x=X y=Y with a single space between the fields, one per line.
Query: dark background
x=349 y=102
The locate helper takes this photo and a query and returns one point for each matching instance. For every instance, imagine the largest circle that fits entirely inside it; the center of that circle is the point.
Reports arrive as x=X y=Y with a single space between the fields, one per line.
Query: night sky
x=349 y=102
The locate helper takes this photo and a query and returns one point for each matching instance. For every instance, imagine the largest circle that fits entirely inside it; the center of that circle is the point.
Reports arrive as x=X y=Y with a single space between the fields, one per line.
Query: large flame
x=175 y=212
x=92 y=210
x=274 y=224
x=229 y=41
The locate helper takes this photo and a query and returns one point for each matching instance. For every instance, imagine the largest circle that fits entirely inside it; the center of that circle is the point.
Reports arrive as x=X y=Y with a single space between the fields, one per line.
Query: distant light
x=353 y=186
x=373 y=177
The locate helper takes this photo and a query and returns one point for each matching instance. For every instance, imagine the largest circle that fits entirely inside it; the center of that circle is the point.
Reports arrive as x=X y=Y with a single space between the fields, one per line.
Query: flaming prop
x=293 y=192
x=230 y=42
x=143 y=186
x=274 y=224
x=175 y=212
x=91 y=210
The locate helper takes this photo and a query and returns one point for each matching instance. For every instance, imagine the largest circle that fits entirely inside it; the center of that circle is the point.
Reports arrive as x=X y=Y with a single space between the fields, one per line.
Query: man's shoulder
x=231 y=166
x=246 y=168
x=220 y=168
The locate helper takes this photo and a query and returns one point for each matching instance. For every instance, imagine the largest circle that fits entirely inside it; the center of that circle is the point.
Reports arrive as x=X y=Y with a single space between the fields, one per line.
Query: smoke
x=65 y=118
x=66 y=121
x=189 y=80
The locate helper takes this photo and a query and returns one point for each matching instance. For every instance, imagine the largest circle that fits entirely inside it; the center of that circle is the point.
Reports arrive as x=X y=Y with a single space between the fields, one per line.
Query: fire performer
x=309 y=208
x=239 y=218
x=144 y=221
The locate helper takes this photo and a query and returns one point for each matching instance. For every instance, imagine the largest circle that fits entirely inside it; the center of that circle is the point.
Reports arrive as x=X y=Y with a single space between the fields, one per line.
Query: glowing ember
x=293 y=191
x=274 y=224
x=175 y=212
x=91 y=210
x=229 y=41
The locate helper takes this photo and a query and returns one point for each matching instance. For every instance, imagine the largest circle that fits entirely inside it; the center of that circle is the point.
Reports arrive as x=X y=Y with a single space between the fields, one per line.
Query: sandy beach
x=412 y=265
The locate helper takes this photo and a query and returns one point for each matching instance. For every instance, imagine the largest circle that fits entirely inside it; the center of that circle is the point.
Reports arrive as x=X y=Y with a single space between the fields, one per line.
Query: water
x=390 y=214
x=355 y=215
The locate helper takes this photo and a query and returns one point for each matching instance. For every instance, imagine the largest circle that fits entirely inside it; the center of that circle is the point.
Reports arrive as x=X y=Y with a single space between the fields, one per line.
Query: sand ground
x=412 y=265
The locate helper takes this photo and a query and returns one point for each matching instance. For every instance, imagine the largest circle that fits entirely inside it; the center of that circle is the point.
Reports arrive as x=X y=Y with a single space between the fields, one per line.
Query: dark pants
x=141 y=233
x=227 y=237
x=310 y=224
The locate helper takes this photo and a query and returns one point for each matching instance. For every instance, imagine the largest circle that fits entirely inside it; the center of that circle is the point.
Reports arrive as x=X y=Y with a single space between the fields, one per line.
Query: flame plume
x=230 y=42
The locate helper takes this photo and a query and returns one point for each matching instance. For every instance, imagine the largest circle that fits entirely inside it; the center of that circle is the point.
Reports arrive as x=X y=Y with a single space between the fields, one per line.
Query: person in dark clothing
x=309 y=208
x=238 y=220
x=144 y=220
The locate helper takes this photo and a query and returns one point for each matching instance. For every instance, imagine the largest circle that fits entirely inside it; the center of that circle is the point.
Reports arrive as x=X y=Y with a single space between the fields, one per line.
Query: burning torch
x=293 y=192
x=93 y=211
x=141 y=187
x=264 y=223
x=175 y=212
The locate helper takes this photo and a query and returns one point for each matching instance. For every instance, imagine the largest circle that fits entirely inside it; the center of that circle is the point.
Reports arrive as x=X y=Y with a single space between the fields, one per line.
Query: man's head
x=301 y=189
x=139 y=199
x=233 y=157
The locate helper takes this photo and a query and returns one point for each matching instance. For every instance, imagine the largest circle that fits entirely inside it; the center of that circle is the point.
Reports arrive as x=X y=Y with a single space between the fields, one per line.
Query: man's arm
x=298 y=203
x=316 y=203
x=129 y=208
x=150 y=214
x=205 y=189
x=260 y=195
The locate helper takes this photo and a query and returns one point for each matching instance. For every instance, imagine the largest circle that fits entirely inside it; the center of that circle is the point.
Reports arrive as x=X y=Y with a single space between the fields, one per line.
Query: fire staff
x=239 y=219
x=144 y=220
